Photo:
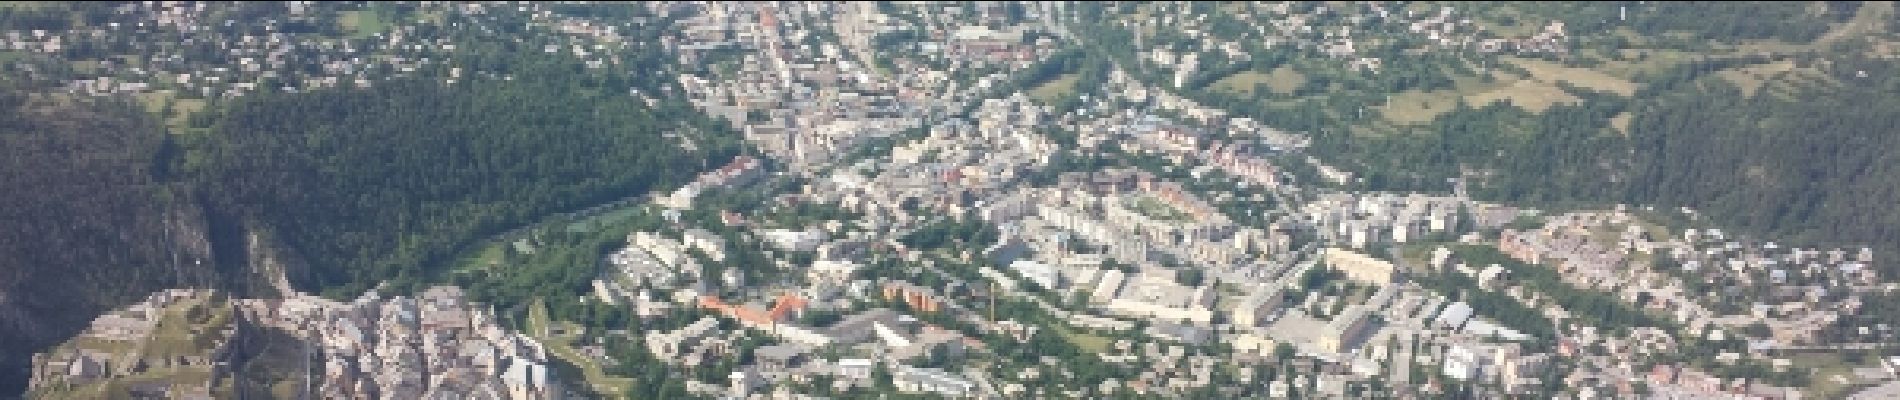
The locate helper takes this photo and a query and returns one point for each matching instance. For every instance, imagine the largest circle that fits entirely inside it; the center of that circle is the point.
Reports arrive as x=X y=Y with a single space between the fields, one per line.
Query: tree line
x=382 y=183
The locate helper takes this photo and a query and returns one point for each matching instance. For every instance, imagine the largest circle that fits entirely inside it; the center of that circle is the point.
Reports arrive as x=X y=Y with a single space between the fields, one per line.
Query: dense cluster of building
x=200 y=50
x=434 y=345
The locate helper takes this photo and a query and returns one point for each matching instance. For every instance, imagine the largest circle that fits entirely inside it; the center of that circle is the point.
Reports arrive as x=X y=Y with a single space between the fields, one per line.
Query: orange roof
x=786 y=305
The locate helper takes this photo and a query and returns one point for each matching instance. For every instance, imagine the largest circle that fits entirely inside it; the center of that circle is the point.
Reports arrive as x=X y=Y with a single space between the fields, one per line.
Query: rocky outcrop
x=182 y=336
x=435 y=345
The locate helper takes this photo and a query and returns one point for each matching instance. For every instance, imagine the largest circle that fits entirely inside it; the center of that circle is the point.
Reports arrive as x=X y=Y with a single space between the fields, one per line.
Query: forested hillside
x=368 y=185
x=1821 y=164
x=359 y=186
x=1778 y=119
x=87 y=226
x=346 y=186
x=1813 y=165
x=356 y=186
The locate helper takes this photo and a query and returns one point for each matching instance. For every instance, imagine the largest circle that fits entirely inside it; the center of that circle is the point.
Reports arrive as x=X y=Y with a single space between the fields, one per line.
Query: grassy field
x=1414 y=106
x=1828 y=370
x=1154 y=208
x=561 y=347
x=432 y=17
x=1621 y=123
x=1055 y=89
x=1087 y=342
x=1634 y=62
x=181 y=108
x=608 y=218
x=1751 y=78
x=85 y=67
x=1282 y=80
x=1788 y=84
x=1529 y=94
x=1550 y=73
x=1535 y=93
x=361 y=24
x=12 y=56
x=479 y=262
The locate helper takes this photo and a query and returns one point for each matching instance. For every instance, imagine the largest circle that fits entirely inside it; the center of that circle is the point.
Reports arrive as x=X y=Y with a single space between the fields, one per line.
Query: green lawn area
x=1825 y=367
x=489 y=256
x=1282 y=80
x=1550 y=73
x=1534 y=93
x=1087 y=342
x=1055 y=89
x=181 y=108
x=361 y=24
x=179 y=333
x=596 y=221
x=85 y=67
x=1638 y=61
x=1531 y=95
x=12 y=56
x=484 y=256
x=1415 y=106
x=561 y=347
x=537 y=318
x=432 y=17
x=1153 y=208
x=1750 y=78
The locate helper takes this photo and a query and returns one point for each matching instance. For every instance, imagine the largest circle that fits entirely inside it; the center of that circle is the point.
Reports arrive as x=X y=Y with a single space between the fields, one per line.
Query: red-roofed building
x=784 y=308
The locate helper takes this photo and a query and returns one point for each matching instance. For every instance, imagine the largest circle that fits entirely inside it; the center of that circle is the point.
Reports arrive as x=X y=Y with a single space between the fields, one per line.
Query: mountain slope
x=89 y=226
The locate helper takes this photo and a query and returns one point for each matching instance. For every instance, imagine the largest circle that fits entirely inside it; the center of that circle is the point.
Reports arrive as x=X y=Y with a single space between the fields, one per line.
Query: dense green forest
x=88 y=226
x=1813 y=167
x=1817 y=166
x=360 y=186
x=348 y=187
x=385 y=183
